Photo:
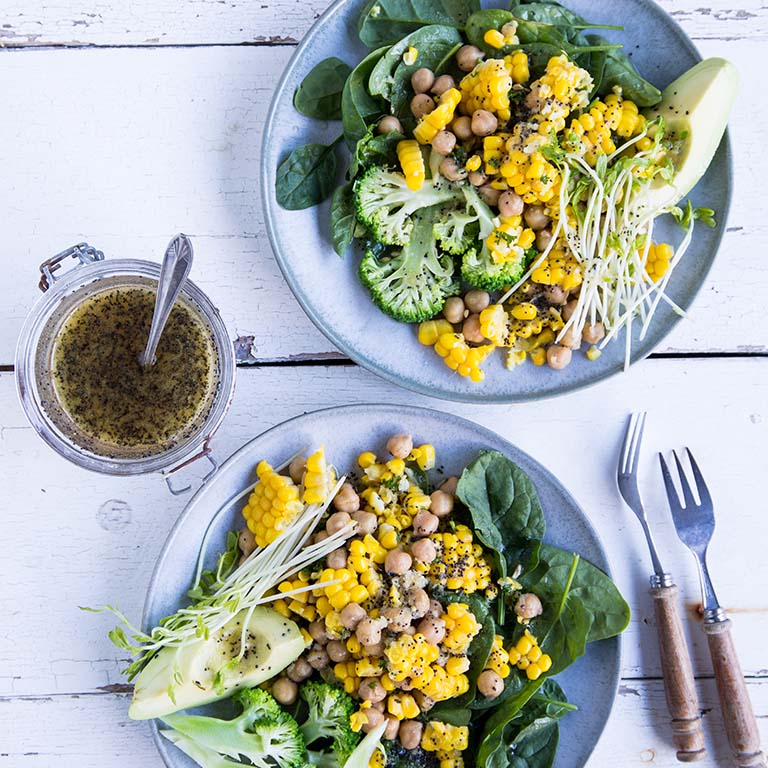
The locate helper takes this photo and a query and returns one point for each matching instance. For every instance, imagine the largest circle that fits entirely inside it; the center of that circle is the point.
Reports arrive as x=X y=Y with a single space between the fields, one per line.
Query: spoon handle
x=176 y=265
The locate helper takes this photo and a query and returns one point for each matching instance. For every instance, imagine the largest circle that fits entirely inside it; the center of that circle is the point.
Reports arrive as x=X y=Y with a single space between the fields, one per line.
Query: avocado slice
x=696 y=106
x=272 y=643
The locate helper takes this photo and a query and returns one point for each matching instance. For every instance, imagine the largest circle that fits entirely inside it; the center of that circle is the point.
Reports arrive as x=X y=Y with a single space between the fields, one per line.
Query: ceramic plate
x=590 y=683
x=329 y=289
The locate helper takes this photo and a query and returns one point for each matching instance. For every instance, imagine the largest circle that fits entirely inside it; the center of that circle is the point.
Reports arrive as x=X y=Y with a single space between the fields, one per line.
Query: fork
x=695 y=524
x=679 y=686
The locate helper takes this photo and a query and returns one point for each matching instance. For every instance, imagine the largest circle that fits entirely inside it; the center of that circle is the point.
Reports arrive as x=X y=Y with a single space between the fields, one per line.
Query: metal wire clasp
x=84 y=253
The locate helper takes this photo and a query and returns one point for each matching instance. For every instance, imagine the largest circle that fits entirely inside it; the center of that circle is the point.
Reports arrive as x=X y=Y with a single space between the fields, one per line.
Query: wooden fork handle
x=740 y=722
x=679 y=686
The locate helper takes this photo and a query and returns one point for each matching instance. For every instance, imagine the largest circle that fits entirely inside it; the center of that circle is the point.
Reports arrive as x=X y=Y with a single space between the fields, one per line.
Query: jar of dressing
x=80 y=382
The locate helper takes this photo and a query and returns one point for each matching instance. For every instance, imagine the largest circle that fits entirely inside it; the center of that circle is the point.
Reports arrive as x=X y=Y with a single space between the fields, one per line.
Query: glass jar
x=63 y=292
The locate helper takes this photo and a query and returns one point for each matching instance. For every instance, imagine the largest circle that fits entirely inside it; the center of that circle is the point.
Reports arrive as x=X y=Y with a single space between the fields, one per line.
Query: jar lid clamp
x=84 y=253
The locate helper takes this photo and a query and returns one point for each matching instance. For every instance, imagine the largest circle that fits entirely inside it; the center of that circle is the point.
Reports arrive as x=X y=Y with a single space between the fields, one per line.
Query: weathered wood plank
x=124 y=148
x=73 y=538
x=90 y=731
x=195 y=22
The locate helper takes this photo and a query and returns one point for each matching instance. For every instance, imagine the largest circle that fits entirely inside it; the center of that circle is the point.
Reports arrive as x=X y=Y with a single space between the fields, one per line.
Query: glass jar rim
x=26 y=355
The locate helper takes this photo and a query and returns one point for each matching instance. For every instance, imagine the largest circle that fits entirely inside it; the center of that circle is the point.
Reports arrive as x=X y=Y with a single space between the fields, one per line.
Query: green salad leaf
x=358 y=106
x=374 y=149
x=343 y=218
x=619 y=71
x=307 y=176
x=319 y=94
x=384 y=22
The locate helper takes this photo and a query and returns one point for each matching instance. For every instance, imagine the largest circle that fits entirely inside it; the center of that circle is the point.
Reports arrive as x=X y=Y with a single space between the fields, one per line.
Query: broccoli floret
x=456 y=230
x=262 y=732
x=329 y=712
x=386 y=205
x=411 y=284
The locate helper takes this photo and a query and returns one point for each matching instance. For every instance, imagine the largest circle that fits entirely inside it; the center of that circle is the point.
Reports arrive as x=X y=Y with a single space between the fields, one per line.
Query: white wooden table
x=124 y=121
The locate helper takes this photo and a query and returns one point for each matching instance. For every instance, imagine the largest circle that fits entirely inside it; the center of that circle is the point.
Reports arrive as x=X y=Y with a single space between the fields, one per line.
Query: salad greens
x=319 y=94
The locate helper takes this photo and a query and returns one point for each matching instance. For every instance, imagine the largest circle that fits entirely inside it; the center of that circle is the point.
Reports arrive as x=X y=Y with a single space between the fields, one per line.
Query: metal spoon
x=176 y=265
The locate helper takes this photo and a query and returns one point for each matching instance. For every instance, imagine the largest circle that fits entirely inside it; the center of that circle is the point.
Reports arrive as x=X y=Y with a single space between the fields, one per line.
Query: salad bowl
x=330 y=291
x=590 y=683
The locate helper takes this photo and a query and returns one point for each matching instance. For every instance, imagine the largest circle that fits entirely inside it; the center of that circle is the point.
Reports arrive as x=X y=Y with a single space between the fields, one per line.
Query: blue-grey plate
x=329 y=289
x=590 y=683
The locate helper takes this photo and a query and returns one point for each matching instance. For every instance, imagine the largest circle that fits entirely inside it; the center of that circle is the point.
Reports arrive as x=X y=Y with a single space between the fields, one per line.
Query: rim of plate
x=384 y=410
x=653 y=339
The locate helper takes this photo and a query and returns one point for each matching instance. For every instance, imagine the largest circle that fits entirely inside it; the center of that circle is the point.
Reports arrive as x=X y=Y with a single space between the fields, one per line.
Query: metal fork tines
x=628 y=487
x=695 y=524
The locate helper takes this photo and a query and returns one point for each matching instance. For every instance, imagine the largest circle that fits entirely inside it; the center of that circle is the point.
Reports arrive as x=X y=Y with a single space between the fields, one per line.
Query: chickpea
x=367 y=522
x=593 y=332
x=571 y=338
x=424 y=523
x=389 y=124
x=410 y=733
x=510 y=203
x=433 y=630
x=347 y=500
x=555 y=293
x=337 y=558
x=317 y=630
x=285 y=691
x=444 y=142
x=411 y=630
x=377 y=649
x=296 y=468
x=337 y=651
x=451 y=170
x=374 y=719
x=422 y=80
x=419 y=602
x=476 y=301
x=299 y=670
x=558 y=357
x=424 y=550
x=400 y=446
x=528 y=606
x=453 y=309
x=246 y=542
x=442 y=84
x=452 y=483
x=352 y=614
x=393 y=726
x=422 y=104
x=484 y=123
x=471 y=330
x=441 y=504
x=368 y=631
x=320 y=536
x=543 y=238
x=489 y=194
x=397 y=561
x=337 y=521
x=535 y=217
x=462 y=127
x=489 y=684
x=435 y=609
x=318 y=657
x=425 y=702
x=477 y=178
x=467 y=57
x=371 y=689
x=568 y=310
x=398 y=619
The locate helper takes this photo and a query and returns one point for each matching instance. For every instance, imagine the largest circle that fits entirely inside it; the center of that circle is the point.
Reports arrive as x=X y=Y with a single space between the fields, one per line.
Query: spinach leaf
x=307 y=176
x=581 y=605
x=391 y=77
x=384 y=22
x=564 y=19
x=619 y=70
x=319 y=94
x=358 y=106
x=374 y=149
x=524 y=733
x=505 y=508
x=343 y=218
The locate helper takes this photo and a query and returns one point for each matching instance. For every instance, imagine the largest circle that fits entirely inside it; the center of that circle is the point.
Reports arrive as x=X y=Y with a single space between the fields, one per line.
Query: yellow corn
x=558 y=269
x=494 y=325
x=474 y=163
x=524 y=311
x=517 y=63
x=434 y=122
x=439 y=736
x=431 y=330
x=563 y=88
x=657 y=262
x=487 y=87
x=538 y=356
x=462 y=358
x=319 y=479
x=509 y=240
x=494 y=38
x=412 y=163
x=410 y=56
x=593 y=353
x=402 y=706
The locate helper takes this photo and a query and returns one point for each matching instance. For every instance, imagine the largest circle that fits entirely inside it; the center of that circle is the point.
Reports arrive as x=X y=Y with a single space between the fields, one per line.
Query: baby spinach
x=568 y=22
x=319 y=94
x=581 y=605
x=358 y=106
x=391 y=76
x=343 y=218
x=374 y=149
x=504 y=506
x=307 y=176
x=619 y=71
x=384 y=22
